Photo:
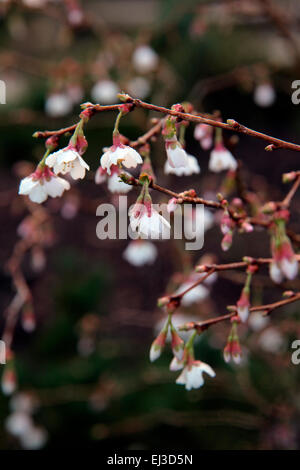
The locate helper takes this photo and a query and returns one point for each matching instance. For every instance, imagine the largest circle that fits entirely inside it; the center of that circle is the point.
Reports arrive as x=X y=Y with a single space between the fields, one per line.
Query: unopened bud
x=9 y=379
x=158 y=345
x=177 y=344
x=288 y=293
x=226 y=241
x=289 y=177
x=269 y=208
x=163 y=301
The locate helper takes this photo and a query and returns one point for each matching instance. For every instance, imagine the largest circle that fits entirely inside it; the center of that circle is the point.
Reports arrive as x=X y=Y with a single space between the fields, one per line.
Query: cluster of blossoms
x=148 y=223
x=68 y=161
x=192 y=370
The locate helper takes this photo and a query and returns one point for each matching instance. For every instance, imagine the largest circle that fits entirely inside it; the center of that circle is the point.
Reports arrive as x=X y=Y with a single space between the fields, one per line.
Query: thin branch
x=237 y=265
x=231 y=124
x=267 y=308
x=197 y=283
x=288 y=198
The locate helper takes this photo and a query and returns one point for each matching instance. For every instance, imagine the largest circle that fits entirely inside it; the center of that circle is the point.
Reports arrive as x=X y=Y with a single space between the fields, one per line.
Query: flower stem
x=117 y=123
x=42 y=163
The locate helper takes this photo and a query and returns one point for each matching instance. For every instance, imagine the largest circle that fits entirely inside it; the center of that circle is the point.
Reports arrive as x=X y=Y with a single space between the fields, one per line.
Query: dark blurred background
x=85 y=371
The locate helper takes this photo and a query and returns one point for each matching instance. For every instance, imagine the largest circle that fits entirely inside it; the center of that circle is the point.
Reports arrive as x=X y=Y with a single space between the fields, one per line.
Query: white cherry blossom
x=117 y=154
x=68 y=160
x=148 y=223
x=177 y=156
x=191 y=167
x=41 y=184
x=192 y=374
x=221 y=159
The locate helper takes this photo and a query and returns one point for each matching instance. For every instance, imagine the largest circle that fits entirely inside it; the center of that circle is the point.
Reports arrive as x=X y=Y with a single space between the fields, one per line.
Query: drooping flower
x=41 y=184
x=275 y=273
x=192 y=167
x=227 y=241
x=120 y=154
x=148 y=222
x=221 y=159
x=192 y=374
x=176 y=364
x=172 y=205
x=68 y=160
x=140 y=252
x=243 y=304
x=226 y=224
x=114 y=183
x=177 y=156
x=288 y=261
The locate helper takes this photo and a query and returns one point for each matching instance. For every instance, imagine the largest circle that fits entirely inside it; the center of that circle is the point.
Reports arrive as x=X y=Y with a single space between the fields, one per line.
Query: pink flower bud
x=163 y=301
x=236 y=351
x=158 y=345
x=81 y=144
x=226 y=241
x=275 y=273
x=269 y=207
x=227 y=352
x=9 y=380
x=288 y=262
x=246 y=227
x=172 y=205
x=226 y=223
x=176 y=364
x=28 y=319
x=243 y=305
x=177 y=344
x=289 y=177
x=232 y=350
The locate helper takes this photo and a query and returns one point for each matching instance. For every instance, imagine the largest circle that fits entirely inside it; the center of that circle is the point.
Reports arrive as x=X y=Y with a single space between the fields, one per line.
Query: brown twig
x=178 y=297
x=288 y=198
x=267 y=309
x=236 y=265
x=231 y=124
